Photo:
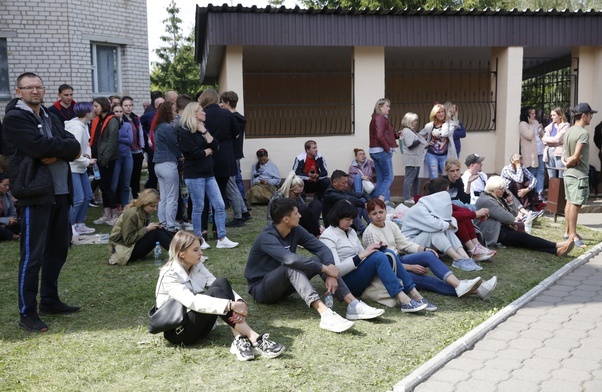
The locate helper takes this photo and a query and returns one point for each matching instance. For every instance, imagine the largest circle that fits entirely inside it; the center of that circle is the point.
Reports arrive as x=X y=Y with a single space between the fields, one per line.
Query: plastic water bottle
x=184 y=193
x=528 y=226
x=96 y=172
x=158 y=260
x=328 y=300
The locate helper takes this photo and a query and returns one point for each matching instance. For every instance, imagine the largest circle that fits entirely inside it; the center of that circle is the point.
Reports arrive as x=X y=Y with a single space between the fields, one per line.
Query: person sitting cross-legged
x=274 y=271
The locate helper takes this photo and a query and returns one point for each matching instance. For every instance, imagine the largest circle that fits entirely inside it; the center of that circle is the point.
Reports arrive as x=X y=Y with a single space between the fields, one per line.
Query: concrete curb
x=471 y=338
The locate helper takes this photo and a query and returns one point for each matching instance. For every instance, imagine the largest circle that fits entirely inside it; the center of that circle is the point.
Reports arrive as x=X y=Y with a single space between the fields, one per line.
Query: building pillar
x=231 y=74
x=509 y=89
x=368 y=86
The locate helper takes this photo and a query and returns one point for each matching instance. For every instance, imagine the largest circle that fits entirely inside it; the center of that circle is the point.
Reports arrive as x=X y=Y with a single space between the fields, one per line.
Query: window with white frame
x=4 y=82
x=106 y=68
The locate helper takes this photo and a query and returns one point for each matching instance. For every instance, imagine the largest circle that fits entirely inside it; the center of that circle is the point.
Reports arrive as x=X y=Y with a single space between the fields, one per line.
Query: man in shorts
x=576 y=160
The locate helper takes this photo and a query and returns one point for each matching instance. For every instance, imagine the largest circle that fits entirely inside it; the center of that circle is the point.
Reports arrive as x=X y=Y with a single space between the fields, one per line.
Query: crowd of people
x=193 y=148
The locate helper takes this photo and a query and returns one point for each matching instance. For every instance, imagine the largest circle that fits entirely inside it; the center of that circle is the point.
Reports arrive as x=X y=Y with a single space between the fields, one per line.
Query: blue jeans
x=82 y=194
x=122 y=176
x=197 y=188
x=239 y=183
x=435 y=164
x=169 y=189
x=383 y=165
x=539 y=173
x=427 y=282
x=554 y=161
x=379 y=264
x=411 y=182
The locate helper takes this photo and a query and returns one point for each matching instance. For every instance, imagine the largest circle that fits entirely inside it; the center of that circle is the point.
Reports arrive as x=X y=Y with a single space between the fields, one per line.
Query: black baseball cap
x=473 y=158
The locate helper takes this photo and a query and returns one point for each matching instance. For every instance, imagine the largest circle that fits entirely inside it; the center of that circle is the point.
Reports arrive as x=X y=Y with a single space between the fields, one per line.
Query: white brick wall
x=52 y=40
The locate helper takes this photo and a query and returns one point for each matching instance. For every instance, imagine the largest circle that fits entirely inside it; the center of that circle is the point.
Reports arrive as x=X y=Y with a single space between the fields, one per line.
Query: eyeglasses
x=38 y=88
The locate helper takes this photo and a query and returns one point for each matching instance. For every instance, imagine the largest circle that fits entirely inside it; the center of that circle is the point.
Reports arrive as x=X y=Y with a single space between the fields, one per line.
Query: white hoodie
x=81 y=133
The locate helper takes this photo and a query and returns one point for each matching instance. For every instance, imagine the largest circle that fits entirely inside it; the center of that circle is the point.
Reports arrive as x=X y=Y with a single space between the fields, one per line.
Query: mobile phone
x=383 y=247
x=162 y=223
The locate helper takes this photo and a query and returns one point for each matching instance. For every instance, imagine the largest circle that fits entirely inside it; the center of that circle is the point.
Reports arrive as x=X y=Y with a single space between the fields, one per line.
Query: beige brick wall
x=53 y=40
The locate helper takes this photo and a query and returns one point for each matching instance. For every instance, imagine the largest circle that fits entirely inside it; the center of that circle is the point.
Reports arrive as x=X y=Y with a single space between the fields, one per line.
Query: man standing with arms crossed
x=576 y=159
x=37 y=143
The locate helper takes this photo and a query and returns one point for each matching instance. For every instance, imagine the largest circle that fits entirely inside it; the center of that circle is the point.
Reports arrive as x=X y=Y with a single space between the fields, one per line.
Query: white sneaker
x=81 y=228
x=243 y=349
x=467 y=286
x=74 y=234
x=205 y=245
x=111 y=221
x=332 y=322
x=485 y=289
x=363 y=311
x=101 y=220
x=186 y=226
x=225 y=243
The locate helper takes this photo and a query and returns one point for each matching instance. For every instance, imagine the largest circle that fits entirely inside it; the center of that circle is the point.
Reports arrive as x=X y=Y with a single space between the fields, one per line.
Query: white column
x=231 y=74
x=509 y=87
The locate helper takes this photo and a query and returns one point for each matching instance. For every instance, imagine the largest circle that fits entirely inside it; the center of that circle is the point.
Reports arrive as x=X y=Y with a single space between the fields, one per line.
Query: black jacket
x=332 y=196
x=196 y=163
x=223 y=127
x=22 y=137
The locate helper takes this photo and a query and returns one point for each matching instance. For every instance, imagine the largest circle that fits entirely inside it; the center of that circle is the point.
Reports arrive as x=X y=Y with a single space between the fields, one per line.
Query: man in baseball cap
x=576 y=159
x=473 y=178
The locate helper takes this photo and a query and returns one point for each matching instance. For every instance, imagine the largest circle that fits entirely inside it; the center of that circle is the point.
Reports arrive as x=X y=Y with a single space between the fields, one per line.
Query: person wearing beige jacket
x=552 y=138
x=531 y=132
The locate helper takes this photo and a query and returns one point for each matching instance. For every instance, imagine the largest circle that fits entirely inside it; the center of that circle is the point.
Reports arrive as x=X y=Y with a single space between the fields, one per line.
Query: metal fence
x=416 y=87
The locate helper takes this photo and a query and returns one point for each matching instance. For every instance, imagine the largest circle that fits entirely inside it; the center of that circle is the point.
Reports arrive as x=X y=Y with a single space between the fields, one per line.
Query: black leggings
x=106 y=178
x=147 y=243
x=136 y=174
x=521 y=239
x=198 y=325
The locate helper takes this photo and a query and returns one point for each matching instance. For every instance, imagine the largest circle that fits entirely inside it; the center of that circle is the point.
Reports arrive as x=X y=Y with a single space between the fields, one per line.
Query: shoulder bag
x=170 y=315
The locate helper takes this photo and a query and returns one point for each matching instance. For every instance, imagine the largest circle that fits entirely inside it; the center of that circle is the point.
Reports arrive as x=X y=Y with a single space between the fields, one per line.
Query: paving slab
x=550 y=339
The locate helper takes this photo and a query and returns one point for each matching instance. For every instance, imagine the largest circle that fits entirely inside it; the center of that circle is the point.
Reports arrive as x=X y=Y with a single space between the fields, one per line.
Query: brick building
x=100 y=49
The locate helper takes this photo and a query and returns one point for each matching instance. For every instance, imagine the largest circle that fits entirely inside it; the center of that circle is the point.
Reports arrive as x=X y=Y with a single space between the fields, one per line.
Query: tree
x=456 y=4
x=176 y=69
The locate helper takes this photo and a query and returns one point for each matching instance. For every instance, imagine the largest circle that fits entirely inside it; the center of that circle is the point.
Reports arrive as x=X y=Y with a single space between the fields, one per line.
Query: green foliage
x=456 y=4
x=176 y=69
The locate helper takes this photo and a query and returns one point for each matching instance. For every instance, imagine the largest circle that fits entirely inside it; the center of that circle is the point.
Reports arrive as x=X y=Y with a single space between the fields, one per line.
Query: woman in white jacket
x=82 y=191
x=359 y=266
x=185 y=279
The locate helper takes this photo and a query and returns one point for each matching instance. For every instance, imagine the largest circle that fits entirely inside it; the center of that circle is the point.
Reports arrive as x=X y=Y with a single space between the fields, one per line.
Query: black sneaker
x=267 y=348
x=93 y=203
x=246 y=216
x=33 y=323
x=241 y=346
x=58 y=308
x=235 y=223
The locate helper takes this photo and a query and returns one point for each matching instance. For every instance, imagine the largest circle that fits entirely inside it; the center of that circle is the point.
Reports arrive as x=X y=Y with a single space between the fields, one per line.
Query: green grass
x=106 y=347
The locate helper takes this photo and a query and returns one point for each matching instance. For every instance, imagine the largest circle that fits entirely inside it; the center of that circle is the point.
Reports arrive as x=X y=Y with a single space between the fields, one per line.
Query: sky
x=156 y=13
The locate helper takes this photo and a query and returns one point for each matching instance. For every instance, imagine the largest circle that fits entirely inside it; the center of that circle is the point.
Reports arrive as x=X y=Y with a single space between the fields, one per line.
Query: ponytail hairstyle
x=435 y=185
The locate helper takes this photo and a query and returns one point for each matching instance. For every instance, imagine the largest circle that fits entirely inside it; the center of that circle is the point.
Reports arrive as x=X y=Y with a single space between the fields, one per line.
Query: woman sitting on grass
x=430 y=223
x=265 y=177
x=134 y=236
x=292 y=188
x=503 y=213
x=359 y=266
x=10 y=228
x=185 y=279
x=417 y=259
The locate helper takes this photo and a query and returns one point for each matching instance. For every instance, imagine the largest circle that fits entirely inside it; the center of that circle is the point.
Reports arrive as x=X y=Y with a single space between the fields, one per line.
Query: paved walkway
x=552 y=343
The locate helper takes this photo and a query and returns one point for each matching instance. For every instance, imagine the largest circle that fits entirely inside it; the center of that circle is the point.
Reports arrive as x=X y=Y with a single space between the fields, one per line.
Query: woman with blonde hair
x=292 y=188
x=503 y=211
x=460 y=132
x=186 y=280
x=413 y=155
x=198 y=146
x=553 y=139
x=134 y=235
x=382 y=146
x=439 y=134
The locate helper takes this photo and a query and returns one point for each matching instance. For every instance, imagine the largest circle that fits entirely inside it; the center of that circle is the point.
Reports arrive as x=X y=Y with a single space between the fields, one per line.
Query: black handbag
x=170 y=315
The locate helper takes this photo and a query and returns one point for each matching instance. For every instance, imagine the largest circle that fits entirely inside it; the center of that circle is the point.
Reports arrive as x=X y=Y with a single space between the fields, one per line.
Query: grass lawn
x=105 y=347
